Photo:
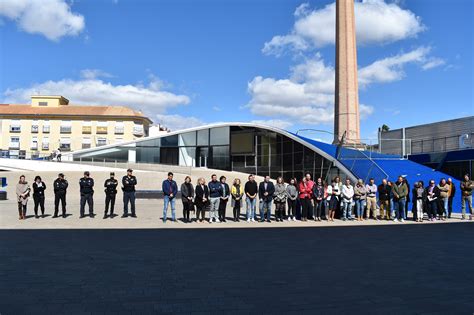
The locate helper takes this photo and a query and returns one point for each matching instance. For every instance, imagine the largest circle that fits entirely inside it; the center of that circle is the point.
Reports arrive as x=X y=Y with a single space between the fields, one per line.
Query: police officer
x=86 y=185
x=110 y=193
x=129 y=181
x=60 y=188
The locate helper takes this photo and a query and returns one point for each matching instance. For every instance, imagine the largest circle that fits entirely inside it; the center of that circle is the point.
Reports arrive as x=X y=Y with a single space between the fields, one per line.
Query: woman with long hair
x=334 y=200
x=202 y=199
x=292 y=193
x=187 y=196
x=280 y=199
x=38 y=195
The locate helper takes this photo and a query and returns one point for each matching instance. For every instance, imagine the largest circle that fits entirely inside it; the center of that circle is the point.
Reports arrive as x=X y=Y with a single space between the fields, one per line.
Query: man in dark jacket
x=400 y=192
x=384 y=199
x=170 y=189
x=110 y=193
x=225 y=193
x=86 y=185
x=467 y=185
x=452 y=193
x=60 y=189
x=432 y=202
x=251 y=191
x=128 y=187
x=215 y=192
x=266 y=190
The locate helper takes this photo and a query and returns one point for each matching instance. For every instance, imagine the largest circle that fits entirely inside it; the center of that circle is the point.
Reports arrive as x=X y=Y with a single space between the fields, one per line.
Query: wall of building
x=78 y=135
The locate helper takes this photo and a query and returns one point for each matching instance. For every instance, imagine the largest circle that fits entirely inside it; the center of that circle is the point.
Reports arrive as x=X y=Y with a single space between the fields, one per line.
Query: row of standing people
x=86 y=184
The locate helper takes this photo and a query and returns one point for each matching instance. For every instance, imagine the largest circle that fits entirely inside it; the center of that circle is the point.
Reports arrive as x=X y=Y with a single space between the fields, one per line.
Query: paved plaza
x=409 y=269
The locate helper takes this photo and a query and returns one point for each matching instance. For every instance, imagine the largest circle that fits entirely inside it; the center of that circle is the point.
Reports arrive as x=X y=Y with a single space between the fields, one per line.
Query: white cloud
x=50 y=18
x=147 y=98
x=377 y=22
x=178 y=122
x=392 y=68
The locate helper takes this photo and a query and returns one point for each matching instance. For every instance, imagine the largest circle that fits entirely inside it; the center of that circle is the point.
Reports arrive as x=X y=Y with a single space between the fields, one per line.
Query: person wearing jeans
x=215 y=192
x=360 y=195
x=266 y=190
x=170 y=189
x=400 y=191
x=251 y=191
x=467 y=186
x=347 y=200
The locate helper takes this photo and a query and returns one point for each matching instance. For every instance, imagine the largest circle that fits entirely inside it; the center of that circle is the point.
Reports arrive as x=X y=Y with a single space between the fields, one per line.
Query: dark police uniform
x=86 y=184
x=110 y=193
x=129 y=183
x=60 y=188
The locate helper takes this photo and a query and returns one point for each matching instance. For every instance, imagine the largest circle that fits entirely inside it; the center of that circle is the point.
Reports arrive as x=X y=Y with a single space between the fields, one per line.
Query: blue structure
x=261 y=150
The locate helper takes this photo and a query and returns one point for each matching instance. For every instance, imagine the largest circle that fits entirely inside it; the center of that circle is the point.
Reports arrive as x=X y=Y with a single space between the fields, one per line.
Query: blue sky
x=193 y=62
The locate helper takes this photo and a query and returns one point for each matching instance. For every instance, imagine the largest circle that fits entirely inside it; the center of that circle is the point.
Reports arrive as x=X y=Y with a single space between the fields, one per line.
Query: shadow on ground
x=371 y=270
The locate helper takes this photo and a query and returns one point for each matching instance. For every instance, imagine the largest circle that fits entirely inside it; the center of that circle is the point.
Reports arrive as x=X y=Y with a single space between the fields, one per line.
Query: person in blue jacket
x=170 y=189
x=215 y=193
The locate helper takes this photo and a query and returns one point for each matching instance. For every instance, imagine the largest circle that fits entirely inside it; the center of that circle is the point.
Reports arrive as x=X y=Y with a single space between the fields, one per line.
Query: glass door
x=202 y=154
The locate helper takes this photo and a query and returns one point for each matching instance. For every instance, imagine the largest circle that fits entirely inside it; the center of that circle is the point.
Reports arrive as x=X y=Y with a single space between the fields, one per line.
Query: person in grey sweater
x=279 y=198
x=22 y=193
x=360 y=199
x=292 y=193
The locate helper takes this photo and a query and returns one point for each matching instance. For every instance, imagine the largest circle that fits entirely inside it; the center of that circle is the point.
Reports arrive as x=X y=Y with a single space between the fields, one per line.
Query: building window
x=86 y=143
x=65 y=144
x=65 y=127
x=138 y=129
x=46 y=126
x=15 y=126
x=34 y=126
x=45 y=144
x=43 y=103
x=87 y=127
x=14 y=143
x=34 y=143
x=102 y=127
x=119 y=128
x=101 y=141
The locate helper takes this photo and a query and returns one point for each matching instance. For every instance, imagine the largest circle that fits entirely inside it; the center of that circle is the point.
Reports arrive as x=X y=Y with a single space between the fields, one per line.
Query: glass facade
x=231 y=148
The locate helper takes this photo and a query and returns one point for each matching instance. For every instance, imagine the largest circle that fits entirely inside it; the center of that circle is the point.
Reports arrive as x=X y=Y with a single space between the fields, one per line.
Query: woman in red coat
x=305 y=190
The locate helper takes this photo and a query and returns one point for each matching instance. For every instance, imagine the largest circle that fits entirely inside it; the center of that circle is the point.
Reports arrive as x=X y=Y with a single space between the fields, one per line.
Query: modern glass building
x=240 y=147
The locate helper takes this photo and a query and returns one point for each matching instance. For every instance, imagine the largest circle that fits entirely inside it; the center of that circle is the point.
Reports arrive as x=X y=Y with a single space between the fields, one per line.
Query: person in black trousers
x=86 y=185
x=187 y=196
x=128 y=187
x=452 y=192
x=38 y=195
x=110 y=194
x=225 y=194
x=202 y=199
x=60 y=189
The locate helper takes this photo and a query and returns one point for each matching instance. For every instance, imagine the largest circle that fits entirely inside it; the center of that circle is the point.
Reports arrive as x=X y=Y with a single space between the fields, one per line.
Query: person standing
x=110 y=194
x=292 y=193
x=419 y=197
x=310 y=185
x=467 y=185
x=86 y=185
x=327 y=199
x=202 y=199
x=38 y=195
x=237 y=193
x=452 y=192
x=318 y=199
x=266 y=190
x=251 y=191
x=280 y=199
x=129 y=182
x=432 y=195
x=334 y=200
x=60 y=189
x=187 y=196
x=58 y=155
x=444 y=199
x=170 y=189
x=400 y=191
x=384 y=199
x=305 y=198
x=215 y=192
x=347 y=200
x=371 y=189
x=224 y=198
x=22 y=194
x=360 y=197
